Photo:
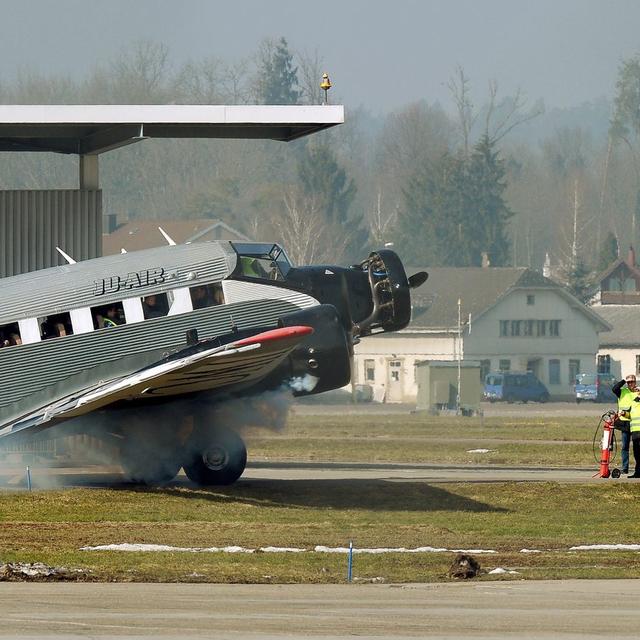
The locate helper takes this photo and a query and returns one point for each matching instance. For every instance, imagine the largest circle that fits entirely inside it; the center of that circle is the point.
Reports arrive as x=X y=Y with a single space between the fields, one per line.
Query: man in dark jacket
x=626 y=391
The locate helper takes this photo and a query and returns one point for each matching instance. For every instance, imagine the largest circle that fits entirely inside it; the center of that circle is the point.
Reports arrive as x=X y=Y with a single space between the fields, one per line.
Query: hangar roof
x=93 y=129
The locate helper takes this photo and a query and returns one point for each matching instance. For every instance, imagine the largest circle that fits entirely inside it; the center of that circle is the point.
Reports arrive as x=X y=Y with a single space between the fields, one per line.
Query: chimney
x=546 y=267
x=485 y=260
x=631 y=257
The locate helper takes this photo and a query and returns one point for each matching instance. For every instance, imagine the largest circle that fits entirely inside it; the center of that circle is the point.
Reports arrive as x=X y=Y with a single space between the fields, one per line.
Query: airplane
x=140 y=349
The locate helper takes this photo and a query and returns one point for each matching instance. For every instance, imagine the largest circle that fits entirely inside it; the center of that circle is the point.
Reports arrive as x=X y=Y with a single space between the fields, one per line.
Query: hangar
x=34 y=222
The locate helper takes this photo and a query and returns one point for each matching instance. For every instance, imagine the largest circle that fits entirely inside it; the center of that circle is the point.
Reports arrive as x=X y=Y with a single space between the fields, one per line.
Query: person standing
x=626 y=391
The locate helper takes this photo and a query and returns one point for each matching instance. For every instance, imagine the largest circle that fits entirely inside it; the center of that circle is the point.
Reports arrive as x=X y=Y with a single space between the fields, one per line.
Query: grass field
x=52 y=526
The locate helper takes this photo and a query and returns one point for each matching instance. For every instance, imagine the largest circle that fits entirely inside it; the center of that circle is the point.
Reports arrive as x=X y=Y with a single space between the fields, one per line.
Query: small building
x=144 y=234
x=437 y=382
x=507 y=319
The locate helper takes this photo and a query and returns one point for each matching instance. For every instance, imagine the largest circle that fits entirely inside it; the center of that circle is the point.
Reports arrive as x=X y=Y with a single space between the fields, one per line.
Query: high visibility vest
x=625 y=401
x=635 y=416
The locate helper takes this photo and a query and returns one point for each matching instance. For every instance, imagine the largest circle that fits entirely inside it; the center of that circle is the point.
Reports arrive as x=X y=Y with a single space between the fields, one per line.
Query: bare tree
x=381 y=220
x=310 y=70
x=467 y=116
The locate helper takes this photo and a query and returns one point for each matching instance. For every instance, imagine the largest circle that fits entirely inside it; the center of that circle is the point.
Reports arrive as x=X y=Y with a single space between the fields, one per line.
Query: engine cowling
x=321 y=362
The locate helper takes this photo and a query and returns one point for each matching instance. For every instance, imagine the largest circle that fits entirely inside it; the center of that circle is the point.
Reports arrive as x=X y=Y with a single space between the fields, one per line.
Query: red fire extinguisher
x=606 y=446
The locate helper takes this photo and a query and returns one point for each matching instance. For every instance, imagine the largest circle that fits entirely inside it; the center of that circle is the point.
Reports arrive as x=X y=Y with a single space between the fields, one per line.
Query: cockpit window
x=261 y=261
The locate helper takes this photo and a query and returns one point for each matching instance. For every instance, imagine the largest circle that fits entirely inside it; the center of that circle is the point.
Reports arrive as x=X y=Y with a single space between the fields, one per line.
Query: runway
x=568 y=609
x=15 y=476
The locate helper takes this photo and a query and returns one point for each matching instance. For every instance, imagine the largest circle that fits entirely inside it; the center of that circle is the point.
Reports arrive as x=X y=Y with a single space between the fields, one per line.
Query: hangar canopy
x=93 y=129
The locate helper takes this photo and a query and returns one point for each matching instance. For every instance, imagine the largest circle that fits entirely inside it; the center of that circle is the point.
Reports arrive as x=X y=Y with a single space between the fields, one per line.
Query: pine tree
x=278 y=78
x=608 y=252
x=322 y=177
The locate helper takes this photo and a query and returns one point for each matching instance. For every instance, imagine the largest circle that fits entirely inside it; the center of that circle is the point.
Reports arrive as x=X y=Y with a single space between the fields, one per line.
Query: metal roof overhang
x=94 y=129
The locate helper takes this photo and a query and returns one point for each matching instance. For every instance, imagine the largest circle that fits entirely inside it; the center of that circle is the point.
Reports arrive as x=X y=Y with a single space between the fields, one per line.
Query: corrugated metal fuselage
x=34 y=374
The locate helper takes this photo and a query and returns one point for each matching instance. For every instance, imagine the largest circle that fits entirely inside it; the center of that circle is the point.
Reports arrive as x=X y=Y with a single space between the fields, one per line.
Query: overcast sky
x=379 y=54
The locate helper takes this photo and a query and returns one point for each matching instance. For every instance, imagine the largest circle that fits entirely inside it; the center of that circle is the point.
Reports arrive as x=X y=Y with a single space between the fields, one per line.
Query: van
x=514 y=387
x=595 y=387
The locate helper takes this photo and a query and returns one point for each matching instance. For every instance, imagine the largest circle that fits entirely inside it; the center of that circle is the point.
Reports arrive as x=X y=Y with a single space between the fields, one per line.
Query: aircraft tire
x=221 y=462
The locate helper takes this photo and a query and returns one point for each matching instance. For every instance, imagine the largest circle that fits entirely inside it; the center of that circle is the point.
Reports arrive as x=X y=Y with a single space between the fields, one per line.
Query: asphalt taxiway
x=568 y=609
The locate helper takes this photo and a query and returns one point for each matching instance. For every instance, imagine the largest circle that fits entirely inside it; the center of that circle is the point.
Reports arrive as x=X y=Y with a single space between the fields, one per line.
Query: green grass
x=52 y=526
x=421 y=438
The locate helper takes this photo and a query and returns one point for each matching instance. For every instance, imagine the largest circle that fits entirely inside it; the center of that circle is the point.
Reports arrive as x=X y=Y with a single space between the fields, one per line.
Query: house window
x=554 y=371
x=515 y=327
x=531 y=299
x=604 y=364
x=541 y=328
x=629 y=284
x=505 y=365
x=485 y=367
x=574 y=370
x=504 y=328
x=528 y=327
x=369 y=370
x=554 y=328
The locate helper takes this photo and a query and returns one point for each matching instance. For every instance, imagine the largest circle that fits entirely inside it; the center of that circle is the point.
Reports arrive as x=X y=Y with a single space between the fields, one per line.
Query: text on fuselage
x=133 y=280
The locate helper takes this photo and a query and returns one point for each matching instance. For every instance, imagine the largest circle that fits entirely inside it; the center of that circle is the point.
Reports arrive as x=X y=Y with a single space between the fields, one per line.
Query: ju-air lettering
x=133 y=280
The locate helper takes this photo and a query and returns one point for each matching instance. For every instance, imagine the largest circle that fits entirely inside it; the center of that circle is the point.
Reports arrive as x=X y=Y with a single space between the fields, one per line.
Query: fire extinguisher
x=607 y=444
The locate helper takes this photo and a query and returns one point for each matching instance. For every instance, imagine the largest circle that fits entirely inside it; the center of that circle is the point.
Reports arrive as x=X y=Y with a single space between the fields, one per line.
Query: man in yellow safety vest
x=626 y=392
x=634 y=414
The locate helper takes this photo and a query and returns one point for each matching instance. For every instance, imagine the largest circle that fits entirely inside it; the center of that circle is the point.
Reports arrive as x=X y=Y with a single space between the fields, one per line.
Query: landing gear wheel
x=615 y=473
x=221 y=461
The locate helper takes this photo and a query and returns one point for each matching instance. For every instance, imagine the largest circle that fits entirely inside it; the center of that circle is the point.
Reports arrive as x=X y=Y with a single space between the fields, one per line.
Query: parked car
x=595 y=387
x=514 y=387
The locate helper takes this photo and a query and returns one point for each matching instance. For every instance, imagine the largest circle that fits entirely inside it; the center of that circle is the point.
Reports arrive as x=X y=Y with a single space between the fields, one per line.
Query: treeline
x=446 y=187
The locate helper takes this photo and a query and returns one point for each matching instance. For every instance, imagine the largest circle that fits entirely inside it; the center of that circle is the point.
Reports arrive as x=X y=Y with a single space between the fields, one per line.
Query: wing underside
x=242 y=362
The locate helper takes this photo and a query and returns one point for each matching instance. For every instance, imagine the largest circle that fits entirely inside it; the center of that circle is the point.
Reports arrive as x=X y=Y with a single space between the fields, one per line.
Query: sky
x=379 y=54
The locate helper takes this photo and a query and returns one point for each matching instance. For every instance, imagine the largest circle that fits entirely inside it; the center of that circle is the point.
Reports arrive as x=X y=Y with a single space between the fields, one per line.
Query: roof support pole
x=89 y=172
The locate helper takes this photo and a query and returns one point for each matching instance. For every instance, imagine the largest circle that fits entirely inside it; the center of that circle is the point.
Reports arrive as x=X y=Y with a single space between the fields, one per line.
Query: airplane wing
x=243 y=361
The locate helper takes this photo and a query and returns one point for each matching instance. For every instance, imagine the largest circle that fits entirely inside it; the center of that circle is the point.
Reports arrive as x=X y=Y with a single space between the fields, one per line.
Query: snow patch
x=606 y=547
x=530 y=551
x=480 y=450
x=500 y=571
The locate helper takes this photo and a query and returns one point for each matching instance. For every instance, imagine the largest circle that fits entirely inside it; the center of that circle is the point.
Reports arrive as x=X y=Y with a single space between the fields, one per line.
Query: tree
x=277 y=81
x=579 y=279
x=608 y=252
x=322 y=177
x=455 y=210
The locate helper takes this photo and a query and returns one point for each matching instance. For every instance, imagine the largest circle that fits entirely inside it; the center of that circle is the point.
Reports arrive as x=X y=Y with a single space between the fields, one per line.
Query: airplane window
x=262 y=268
x=206 y=295
x=55 y=326
x=155 y=306
x=108 y=315
x=10 y=335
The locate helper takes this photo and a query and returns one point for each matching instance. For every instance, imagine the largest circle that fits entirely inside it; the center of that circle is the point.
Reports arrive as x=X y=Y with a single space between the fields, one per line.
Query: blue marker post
x=350 y=563
x=28 y=479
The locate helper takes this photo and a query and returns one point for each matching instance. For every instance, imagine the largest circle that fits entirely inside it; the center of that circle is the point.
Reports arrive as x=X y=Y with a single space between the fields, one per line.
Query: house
x=143 y=234
x=507 y=318
x=617 y=301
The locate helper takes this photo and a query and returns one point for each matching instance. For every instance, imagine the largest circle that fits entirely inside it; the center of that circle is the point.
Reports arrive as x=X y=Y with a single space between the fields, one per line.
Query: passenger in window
x=200 y=297
x=112 y=317
x=15 y=339
x=154 y=306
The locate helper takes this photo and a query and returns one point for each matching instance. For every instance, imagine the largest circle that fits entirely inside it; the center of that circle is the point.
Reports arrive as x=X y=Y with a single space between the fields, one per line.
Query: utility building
x=34 y=222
